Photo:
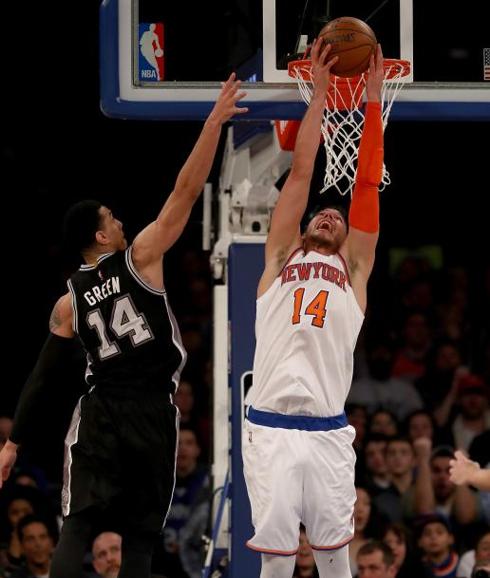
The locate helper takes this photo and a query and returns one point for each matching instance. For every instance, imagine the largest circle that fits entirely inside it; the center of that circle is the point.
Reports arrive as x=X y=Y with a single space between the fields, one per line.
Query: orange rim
x=392 y=66
x=346 y=93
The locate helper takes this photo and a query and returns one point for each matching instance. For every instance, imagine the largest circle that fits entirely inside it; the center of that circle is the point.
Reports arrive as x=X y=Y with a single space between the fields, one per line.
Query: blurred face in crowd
x=380 y=362
x=362 y=510
x=420 y=426
x=417 y=331
x=184 y=398
x=37 y=545
x=188 y=452
x=482 y=550
x=373 y=566
x=304 y=556
x=473 y=404
x=435 y=539
x=106 y=552
x=18 y=509
x=357 y=418
x=443 y=487
x=399 y=457
x=375 y=457
x=397 y=545
x=448 y=358
x=382 y=422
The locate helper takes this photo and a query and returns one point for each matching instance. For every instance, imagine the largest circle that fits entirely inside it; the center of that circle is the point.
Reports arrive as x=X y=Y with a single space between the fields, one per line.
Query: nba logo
x=151 y=56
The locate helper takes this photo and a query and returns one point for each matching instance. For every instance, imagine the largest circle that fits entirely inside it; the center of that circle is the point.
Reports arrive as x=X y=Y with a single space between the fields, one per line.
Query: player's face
x=326 y=229
x=112 y=229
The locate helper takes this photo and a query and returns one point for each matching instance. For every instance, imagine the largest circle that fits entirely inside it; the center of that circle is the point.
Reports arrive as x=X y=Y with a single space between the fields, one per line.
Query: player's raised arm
x=54 y=352
x=284 y=234
x=151 y=243
x=364 y=208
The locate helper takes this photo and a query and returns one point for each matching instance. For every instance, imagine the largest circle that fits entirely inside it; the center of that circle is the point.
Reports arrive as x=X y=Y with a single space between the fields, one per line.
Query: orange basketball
x=353 y=41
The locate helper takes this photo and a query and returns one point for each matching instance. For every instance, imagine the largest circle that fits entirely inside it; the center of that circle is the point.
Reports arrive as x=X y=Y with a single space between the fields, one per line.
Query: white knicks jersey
x=306 y=330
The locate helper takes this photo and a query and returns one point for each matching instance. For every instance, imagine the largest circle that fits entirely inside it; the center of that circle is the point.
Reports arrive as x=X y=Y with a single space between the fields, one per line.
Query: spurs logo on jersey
x=306 y=330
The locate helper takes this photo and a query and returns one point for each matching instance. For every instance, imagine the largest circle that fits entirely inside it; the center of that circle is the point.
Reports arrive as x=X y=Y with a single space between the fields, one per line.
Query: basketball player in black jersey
x=121 y=446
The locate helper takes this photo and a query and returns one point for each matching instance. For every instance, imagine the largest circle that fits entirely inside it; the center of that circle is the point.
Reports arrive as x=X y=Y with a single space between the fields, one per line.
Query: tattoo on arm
x=55 y=319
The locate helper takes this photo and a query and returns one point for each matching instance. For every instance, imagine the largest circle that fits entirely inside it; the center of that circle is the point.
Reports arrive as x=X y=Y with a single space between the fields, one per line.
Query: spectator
x=18 y=503
x=472 y=557
x=106 y=553
x=444 y=363
x=189 y=512
x=376 y=475
x=421 y=424
x=400 y=463
x=191 y=416
x=436 y=542
x=375 y=560
x=357 y=417
x=380 y=390
x=434 y=492
x=364 y=525
x=305 y=562
x=411 y=359
x=474 y=417
x=383 y=422
x=398 y=538
x=37 y=542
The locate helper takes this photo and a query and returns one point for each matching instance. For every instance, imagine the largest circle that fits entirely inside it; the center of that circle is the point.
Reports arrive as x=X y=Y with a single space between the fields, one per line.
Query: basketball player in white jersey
x=297 y=444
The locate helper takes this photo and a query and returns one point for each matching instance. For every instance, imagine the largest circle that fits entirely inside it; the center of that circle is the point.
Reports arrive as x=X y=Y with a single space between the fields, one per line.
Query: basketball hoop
x=343 y=118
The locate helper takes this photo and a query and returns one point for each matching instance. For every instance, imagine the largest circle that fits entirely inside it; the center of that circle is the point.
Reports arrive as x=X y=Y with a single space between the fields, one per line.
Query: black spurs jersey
x=126 y=327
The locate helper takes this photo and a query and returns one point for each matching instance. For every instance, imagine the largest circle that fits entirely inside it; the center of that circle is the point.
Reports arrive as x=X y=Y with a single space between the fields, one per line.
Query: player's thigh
x=329 y=492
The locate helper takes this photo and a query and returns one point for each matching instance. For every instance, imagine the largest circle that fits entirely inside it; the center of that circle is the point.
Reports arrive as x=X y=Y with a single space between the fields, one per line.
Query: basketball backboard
x=165 y=59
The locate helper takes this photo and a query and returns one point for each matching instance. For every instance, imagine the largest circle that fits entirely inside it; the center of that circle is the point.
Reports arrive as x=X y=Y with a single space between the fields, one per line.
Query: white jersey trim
x=177 y=422
x=89 y=267
x=134 y=272
x=73 y=306
x=70 y=441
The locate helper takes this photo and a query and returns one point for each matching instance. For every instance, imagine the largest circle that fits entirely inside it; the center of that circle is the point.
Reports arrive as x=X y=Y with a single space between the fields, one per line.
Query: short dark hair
x=377 y=546
x=33 y=519
x=423 y=520
x=81 y=222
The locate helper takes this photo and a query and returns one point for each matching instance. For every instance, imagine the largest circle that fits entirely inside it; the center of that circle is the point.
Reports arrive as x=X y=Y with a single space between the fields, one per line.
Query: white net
x=344 y=118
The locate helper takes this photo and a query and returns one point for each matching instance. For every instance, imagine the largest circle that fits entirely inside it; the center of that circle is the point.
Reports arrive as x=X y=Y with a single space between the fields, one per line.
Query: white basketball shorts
x=295 y=476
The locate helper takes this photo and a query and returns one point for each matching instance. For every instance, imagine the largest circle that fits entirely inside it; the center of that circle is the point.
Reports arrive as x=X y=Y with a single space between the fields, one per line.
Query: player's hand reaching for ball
x=320 y=66
x=375 y=76
x=226 y=105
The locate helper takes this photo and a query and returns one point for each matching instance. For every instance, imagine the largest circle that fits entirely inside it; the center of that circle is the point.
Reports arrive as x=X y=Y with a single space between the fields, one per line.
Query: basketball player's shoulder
x=61 y=312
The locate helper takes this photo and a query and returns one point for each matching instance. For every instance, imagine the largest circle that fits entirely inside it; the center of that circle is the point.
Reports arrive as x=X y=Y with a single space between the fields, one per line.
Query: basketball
x=158 y=52
x=353 y=41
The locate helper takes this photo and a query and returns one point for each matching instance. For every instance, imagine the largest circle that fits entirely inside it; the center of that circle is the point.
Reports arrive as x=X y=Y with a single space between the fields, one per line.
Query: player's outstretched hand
x=321 y=65
x=375 y=76
x=461 y=469
x=8 y=455
x=226 y=105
